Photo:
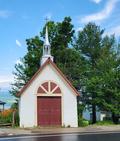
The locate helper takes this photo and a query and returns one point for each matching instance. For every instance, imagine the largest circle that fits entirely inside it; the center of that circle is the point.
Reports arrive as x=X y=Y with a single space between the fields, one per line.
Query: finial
x=46 y=19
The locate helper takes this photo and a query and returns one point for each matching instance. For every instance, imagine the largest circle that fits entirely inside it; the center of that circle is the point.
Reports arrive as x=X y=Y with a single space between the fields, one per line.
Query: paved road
x=67 y=137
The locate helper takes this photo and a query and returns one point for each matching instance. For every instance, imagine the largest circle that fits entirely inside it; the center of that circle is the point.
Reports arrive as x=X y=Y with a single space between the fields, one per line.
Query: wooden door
x=49 y=111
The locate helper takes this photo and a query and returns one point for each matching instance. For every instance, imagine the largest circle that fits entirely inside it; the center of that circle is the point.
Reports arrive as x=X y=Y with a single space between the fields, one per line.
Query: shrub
x=107 y=122
x=6 y=116
x=83 y=122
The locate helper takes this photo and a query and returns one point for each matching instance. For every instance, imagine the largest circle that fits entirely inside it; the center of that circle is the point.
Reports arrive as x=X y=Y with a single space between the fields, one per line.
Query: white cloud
x=6 y=78
x=79 y=29
x=114 y=30
x=96 y=1
x=105 y=13
x=5 y=81
x=18 y=43
x=4 y=13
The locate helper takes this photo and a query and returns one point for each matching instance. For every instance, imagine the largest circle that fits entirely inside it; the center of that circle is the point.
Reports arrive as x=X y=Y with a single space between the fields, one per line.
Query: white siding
x=28 y=102
x=27 y=109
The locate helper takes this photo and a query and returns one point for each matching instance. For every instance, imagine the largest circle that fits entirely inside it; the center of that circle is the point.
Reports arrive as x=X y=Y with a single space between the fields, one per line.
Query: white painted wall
x=27 y=107
x=28 y=100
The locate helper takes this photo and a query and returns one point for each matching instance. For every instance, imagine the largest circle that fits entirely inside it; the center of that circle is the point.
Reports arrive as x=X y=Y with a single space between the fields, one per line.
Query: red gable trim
x=41 y=68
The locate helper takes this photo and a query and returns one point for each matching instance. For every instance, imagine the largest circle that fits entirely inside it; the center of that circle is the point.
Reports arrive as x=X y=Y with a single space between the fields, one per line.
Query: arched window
x=49 y=88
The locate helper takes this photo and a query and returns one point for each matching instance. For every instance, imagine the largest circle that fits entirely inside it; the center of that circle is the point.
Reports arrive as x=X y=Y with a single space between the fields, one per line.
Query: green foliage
x=14 y=106
x=80 y=109
x=101 y=78
x=89 y=42
x=104 y=122
x=89 y=45
x=6 y=119
x=109 y=72
x=69 y=61
x=82 y=122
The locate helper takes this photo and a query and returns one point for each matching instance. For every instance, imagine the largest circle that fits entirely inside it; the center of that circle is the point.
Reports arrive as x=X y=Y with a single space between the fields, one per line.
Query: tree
x=89 y=45
x=100 y=80
x=66 y=58
x=109 y=69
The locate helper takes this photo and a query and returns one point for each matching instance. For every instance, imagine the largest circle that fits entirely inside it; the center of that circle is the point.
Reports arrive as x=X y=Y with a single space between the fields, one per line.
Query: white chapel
x=49 y=98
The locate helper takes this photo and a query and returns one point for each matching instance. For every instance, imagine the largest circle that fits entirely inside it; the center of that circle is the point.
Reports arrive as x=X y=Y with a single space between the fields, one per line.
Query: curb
x=4 y=135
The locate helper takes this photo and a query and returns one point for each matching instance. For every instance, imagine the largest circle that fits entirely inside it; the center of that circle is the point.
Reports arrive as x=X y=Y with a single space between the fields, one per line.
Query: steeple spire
x=46 y=47
x=46 y=37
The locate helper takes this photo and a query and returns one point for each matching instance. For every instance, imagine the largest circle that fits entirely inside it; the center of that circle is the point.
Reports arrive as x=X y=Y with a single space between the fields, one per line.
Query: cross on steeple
x=46 y=42
x=46 y=19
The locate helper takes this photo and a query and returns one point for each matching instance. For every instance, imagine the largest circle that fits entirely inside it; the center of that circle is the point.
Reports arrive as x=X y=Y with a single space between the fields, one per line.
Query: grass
x=105 y=123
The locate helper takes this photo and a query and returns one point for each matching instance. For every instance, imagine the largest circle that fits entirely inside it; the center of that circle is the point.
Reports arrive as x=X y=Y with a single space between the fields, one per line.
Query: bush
x=107 y=122
x=82 y=122
x=6 y=116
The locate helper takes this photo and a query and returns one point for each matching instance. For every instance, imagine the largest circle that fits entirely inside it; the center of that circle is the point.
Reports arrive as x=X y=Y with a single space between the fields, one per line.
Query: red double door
x=49 y=111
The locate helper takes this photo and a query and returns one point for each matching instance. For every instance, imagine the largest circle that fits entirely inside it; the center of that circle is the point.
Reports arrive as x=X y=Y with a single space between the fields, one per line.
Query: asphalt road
x=67 y=137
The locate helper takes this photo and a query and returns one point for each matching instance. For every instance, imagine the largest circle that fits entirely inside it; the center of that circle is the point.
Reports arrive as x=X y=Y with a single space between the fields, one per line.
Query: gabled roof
x=40 y=69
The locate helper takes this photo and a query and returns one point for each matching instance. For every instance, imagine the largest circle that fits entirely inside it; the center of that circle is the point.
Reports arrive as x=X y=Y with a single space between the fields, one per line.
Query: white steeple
x=46 y=37
x=46 y=48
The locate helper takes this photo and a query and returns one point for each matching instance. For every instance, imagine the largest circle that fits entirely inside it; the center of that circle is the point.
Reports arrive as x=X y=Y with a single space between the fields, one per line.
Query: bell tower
x=46 y=48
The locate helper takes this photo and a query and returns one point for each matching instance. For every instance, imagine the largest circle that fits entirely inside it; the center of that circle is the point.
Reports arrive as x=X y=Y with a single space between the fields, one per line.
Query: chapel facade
x=49 y=98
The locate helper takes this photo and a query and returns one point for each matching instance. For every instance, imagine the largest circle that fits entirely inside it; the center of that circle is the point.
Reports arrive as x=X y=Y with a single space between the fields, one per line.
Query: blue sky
x=22 y=19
